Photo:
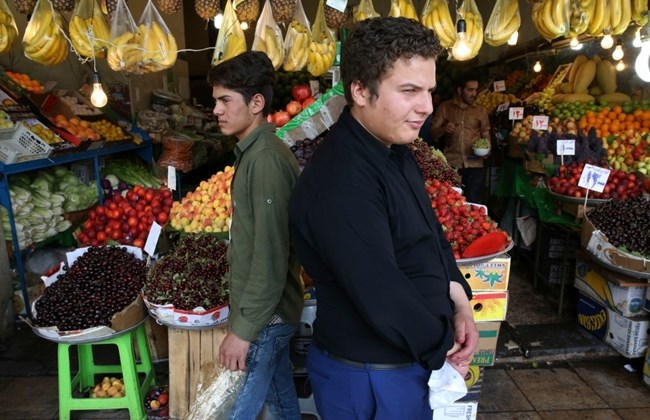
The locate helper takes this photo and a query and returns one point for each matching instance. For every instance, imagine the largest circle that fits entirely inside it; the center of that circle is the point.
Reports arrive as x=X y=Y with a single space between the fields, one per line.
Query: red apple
x=293 y=108
x=301 y=92
x=280 y=118
x=308 y=102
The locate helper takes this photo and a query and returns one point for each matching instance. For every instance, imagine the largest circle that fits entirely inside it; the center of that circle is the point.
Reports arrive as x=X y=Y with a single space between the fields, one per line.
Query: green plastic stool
x=84 y=379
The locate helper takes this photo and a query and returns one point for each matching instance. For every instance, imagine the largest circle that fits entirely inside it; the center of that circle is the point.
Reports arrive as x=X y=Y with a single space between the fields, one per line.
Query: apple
x=293 y=108
x=308 y=102
x=301 y=92
x=280 y=118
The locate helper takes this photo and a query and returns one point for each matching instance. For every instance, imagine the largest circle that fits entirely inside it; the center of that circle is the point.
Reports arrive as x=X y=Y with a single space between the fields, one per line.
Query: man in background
x=459 y=123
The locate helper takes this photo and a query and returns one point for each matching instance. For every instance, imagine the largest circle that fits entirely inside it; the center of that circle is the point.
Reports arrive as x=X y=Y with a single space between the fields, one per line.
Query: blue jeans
x=270 y=377
x=343 y=392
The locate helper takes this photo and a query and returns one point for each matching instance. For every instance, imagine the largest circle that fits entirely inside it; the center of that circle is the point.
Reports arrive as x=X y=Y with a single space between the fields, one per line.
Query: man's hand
x=465 y=332
x=450 y=128
x=233 y=352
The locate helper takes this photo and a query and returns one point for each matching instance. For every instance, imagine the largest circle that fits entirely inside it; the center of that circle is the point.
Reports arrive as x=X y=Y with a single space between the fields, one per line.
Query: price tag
x=503 y=107
x=499 y=86
x=594 y=178
x=566 y=147
x=171 y=177
x=339 y=5
x=516 y=113
x=152 y=239
x=540 y=122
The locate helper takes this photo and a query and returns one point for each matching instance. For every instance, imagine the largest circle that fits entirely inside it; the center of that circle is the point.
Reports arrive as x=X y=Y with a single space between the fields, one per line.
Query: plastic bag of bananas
x=437 y=17
x=581 y=12
x=364 y=10
x=551 y=18
x=124 y=52
x=297 y=40
x=403 y=8
x=322 y=48
x=640 y=12
x=230 y=40
x=89 y=32
x=44 y=41
x=159 y=49
x=474 y=26
x=268 y=37
x=8 y=29
x=504 y=21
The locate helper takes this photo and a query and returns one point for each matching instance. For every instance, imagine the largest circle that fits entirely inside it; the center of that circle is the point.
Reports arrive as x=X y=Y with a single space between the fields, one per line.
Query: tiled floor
x=568 y=374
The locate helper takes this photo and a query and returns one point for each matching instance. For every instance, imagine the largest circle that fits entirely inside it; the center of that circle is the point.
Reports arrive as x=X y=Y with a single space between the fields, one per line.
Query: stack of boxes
x=489 y=283
x=610 y=306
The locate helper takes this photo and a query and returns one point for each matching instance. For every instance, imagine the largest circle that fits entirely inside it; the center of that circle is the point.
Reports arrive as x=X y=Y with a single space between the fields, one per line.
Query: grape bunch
x=100 y=283
x=304 y=149
x=626 y=223
x=193 y=275
x=433 y=164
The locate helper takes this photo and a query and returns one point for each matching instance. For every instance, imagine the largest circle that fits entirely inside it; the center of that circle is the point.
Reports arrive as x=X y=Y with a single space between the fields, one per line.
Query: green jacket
x=264 y=270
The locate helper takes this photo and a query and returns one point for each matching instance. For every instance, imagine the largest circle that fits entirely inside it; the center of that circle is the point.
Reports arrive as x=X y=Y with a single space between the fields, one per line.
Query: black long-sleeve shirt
x=365 y=232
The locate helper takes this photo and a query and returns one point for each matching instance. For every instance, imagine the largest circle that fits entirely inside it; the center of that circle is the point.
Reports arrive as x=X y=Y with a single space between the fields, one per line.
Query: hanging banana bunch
x=581 y=13
x=640 y=12
x=8 y=29
x=296 y=45
x=621 y=15
x=403 y=8
x=437 y=17
x=322 y=48
x=231 y=40
x=504 y=21
x=43 y=40
x=551 y=18
x=600 y=20
x=364 y=10
x=474 y=26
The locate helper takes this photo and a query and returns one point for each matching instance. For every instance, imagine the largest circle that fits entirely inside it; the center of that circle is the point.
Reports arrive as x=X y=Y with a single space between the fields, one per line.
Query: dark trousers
x=472 y=179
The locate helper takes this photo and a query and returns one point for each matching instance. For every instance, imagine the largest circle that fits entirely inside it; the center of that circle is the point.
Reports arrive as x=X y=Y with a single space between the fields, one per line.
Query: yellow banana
x=615 y=14
x=408 y=10
x=639 y=9
x=626 y=17
x=509 y=20
x=315 y=64
x=4 y=38
x=599 y=19
x=444 y=24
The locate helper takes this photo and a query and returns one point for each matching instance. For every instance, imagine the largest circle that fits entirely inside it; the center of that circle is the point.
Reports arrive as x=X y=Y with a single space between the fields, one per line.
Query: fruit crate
x=19 y=144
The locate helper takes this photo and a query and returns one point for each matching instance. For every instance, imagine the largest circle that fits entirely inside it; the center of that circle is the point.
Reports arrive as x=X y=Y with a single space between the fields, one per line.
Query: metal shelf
x=144 y=150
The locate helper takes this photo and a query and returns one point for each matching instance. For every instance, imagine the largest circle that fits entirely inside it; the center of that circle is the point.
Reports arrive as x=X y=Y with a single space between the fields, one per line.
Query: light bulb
x=513 y=38
x=461 y=49
x=98 y=98
x=618 y=52
x=244 y=26
x=637 y=39
x=537 y=67
x=641 y=63
x=574 y=42
x=607 y=42
x=620 y=66
x=218 y=20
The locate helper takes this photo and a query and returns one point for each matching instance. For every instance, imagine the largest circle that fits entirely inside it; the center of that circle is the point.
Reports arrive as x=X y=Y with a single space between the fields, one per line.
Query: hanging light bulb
x=620 y=66
x=244 y=26
x=607 y=42
x=461 y=49
x=574 y=44
x=98 y=97
x=618 y=51
x=637 y=39
x=218 y=20
x=643 y=59
x=537 y=67
x=513 y=38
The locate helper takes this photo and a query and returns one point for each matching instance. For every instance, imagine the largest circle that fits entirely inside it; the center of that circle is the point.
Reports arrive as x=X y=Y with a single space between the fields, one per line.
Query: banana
x=315 y=64
x=626 y=17
x=615 y=14
x=510 y=20
x=394 y=9
x=408 y=10
x=639 y=12
x=446 y=29
x=598 y=20
x=4 y=38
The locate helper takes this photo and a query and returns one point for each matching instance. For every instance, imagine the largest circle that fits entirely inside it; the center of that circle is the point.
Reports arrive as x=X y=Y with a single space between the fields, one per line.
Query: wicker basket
x=20 y=144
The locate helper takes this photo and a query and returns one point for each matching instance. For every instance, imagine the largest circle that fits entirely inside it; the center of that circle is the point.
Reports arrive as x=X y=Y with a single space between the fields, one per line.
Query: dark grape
x=433 y=164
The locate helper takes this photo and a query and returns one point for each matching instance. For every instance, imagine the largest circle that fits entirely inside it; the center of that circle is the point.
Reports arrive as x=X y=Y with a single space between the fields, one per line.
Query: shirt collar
x=247 y=141
x=460 y=104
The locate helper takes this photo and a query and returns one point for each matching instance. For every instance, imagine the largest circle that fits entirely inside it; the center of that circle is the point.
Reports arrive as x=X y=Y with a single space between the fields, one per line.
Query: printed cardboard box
x=488 y=335
x=646 y=368
x=624 y=294
x=467 y=407
x=489 y=306
x=628 y=336
x=488 y=276
x=599 y=245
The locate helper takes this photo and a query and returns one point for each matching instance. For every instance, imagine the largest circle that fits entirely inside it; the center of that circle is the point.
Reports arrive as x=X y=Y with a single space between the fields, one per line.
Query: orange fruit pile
x=613 y=121
x=77 y=127
x=26 y=82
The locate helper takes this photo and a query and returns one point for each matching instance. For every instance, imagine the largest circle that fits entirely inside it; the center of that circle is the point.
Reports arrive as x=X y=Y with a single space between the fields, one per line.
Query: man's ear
x=257 y=103
x=360 y=94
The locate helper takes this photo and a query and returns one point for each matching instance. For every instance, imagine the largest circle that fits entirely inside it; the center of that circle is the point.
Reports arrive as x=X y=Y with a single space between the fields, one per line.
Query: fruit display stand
x=143 y=150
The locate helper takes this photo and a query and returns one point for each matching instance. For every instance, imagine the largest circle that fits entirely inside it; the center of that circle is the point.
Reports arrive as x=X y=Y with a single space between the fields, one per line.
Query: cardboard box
x=490 y=306
x=599 y=246
x=537 y=162
x=646 y=368
x=624 y=294
x=628 y=336
x=488 y=276
x=646 y=304
x=515 y=148
x=488 y=335
x=467 y=407
x=171 y=316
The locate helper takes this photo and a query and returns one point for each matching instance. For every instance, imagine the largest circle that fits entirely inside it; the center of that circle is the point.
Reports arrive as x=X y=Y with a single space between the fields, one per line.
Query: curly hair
x=248 y=73
x=375 y=44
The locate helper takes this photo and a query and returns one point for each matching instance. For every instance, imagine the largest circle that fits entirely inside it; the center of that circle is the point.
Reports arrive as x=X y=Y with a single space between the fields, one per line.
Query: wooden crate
x=189 y=352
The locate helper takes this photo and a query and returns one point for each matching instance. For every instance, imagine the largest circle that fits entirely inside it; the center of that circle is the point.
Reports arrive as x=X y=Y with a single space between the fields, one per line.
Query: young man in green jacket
x=266 y=296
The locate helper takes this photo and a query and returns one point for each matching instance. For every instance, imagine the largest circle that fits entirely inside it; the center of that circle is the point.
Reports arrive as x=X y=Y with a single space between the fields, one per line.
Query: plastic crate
x=19 y=144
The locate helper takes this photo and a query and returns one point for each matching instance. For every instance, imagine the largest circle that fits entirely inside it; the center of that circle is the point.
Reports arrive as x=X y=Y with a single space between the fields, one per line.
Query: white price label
x=499 y=86
x=503 y=107
x=171 y=177
x=152 y=239
x=516 y=113
x=339 y=5
x=540 y=122
x=593 y=178
x=566 y=147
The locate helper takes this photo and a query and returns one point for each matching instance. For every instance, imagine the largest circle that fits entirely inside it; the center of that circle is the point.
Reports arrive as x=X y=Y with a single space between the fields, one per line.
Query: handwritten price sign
x=516 y=113
x=540 y=122
x=593 y=178
x=566 y=147
x=499 y=86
